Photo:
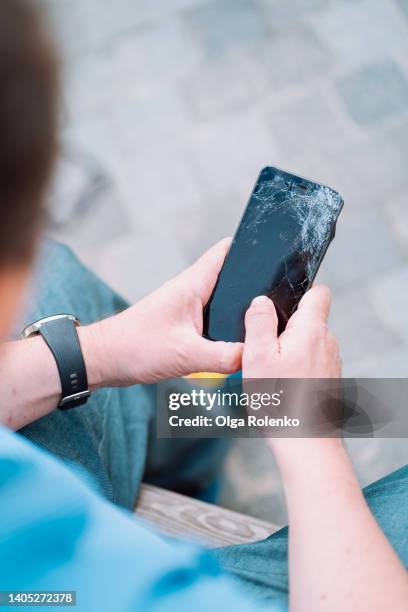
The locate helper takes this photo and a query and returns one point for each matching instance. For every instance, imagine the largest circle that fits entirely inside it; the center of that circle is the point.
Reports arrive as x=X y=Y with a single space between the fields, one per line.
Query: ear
x=13 y=278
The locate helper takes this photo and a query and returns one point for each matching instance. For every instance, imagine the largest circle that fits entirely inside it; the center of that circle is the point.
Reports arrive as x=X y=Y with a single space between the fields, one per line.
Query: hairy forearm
x=29 y=380
x=338 y=556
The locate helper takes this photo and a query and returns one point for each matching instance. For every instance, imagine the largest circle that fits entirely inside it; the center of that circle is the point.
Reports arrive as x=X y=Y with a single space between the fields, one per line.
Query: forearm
x=29 y=378
x=338 y=556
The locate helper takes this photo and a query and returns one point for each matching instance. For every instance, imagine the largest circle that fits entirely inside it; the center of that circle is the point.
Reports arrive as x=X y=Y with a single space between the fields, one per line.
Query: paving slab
x=374 y=93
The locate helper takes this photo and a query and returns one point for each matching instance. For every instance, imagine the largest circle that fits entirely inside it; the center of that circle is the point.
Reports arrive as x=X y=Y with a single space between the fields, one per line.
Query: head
x=28 y=117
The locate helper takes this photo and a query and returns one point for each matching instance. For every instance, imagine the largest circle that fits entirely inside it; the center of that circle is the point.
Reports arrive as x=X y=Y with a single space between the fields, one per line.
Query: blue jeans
x=112 y=438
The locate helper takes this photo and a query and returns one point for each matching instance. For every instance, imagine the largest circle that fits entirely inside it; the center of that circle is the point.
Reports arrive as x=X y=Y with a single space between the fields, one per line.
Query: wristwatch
x=60 y=334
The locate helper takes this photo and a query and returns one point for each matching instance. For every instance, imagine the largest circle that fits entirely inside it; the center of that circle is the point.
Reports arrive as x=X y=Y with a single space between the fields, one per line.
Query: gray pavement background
x=171 y=107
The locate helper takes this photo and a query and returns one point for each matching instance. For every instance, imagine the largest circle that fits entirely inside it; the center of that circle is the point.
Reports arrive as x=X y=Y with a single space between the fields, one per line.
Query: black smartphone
x=280 y=243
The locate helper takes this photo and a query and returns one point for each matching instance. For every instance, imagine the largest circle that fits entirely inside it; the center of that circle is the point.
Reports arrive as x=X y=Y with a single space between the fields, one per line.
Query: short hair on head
x=28 y=120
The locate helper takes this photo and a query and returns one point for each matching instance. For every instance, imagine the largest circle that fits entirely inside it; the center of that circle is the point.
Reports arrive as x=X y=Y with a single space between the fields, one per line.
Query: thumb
x=261 y=325
x=220 y=357
x=204 y=272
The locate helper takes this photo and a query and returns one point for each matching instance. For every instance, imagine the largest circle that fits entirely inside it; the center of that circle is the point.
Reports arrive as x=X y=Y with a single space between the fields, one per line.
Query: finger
x=313 y=308
x=220 y=357
x=261 y=326
x=204 y=272
x=316 y=302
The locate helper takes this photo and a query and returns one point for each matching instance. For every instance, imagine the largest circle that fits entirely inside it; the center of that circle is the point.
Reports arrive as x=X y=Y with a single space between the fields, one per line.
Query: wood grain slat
x=188 y=518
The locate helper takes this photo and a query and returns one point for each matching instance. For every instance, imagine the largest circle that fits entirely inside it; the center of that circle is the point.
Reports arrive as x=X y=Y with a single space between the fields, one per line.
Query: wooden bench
x=180 y=516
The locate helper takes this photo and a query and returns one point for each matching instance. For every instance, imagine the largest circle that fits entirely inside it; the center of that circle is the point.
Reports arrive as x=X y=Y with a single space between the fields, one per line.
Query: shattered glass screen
x=283 y=236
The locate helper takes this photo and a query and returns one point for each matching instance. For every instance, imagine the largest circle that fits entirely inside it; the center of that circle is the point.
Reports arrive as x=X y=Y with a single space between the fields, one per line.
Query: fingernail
x=260 y=300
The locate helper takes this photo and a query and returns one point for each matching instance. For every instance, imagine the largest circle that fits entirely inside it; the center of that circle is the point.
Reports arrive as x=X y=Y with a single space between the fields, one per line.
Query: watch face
x=35 y=327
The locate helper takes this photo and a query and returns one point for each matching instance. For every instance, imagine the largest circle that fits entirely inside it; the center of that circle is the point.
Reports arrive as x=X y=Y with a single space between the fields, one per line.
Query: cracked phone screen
x=284 y=233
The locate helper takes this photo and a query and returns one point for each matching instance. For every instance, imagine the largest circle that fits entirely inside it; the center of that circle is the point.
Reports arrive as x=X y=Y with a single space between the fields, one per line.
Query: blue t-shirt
x=57 y=534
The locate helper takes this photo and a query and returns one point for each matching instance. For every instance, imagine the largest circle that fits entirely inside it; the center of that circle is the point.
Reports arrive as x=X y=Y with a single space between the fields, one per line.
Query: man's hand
x=161 y=336
x=332 y=531
x=306 y=349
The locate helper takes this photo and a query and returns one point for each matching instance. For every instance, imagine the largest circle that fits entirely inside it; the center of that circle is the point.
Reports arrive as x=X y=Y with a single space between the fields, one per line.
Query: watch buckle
x=72 y=398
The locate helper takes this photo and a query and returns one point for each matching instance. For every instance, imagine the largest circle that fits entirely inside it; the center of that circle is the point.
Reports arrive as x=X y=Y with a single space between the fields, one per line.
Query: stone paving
x=172 y=107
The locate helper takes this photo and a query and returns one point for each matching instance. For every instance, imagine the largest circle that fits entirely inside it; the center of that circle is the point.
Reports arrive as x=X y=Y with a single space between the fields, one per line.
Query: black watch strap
x=60 y=334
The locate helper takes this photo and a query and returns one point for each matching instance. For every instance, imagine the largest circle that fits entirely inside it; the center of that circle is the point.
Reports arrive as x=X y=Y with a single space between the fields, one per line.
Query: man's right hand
x=338 y=556
x=306 y=349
